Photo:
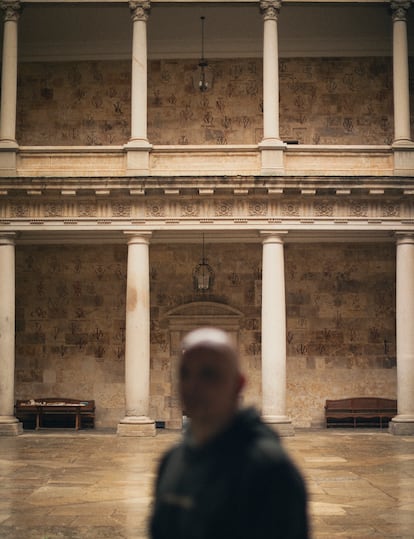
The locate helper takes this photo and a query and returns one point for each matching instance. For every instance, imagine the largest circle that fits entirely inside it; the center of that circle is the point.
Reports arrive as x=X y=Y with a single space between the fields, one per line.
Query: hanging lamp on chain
x=203 y=274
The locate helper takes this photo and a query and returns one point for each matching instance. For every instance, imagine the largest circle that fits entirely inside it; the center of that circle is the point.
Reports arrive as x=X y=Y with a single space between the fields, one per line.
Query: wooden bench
x=36 y=410
x=371 y=411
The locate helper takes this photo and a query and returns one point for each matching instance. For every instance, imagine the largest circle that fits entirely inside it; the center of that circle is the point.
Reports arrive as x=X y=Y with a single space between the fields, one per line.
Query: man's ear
x=241 y=382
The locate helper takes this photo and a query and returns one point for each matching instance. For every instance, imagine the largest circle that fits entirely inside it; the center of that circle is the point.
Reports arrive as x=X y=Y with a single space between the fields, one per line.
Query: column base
x=136 y=426
x=403 y=157
x=272 y=152
x=402 y=425
x=10 y=426
x=137 y=157
x=8 y=158
x=281 y=424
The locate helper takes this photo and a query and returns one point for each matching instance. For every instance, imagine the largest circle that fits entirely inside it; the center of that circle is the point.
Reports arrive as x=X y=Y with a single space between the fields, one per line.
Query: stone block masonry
x=322 y=101
x=70 y=331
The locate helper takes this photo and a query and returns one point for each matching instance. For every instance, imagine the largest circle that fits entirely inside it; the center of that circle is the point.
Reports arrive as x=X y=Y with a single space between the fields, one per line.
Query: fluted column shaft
x=270 y=10
x=11 y=10
x=274 y=335
x=403 y=423
x=137 y=341
x=402 y=131
x=8 y=423
x=139 y=14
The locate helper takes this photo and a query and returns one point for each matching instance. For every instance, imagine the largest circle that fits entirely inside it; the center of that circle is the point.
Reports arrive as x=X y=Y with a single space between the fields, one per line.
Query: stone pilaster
x=403 y=423
x=138 y=147
x=176 y=409
x=137 y=341
x=271 y=146
x=9 y=425
x=8 y=144
x=274 y=336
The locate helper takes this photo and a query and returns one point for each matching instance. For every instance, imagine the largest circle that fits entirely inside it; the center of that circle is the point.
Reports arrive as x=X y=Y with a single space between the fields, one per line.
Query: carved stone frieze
x=19 y=210
x=358 y=209
x=190 y=208
x=290 y=209
x=223 y=208
x=121 y=209
x=87 y=209
x=156 y=208
x=258 y=208
x=40 y=210
x=53 y=209
x=324 y=208
x=390 y=209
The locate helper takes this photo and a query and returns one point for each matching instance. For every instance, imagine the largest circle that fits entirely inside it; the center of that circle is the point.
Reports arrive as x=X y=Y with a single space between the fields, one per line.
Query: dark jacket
x=240 y=485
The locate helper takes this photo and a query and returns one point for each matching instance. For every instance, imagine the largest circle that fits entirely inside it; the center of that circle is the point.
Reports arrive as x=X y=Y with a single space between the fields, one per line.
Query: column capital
x=270 y=9
x=7 y=238
x=273 y=237
x=138 y=237
x=11 y=10
x=399 y=9
x=404 y=238
x=140 y=10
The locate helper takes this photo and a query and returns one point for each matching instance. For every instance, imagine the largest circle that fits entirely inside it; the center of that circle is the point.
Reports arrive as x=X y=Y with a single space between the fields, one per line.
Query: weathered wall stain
x=322 y=101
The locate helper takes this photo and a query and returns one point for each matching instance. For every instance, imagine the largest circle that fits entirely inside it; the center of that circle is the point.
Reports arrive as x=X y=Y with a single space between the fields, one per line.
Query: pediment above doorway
x=204 y=313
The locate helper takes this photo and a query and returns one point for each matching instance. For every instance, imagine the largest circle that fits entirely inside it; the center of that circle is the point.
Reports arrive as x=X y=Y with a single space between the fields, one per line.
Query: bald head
x=209 y=380
x=214 y=340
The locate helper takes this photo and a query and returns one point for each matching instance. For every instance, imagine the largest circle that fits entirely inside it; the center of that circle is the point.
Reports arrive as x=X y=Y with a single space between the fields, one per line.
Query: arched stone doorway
x=185 y=318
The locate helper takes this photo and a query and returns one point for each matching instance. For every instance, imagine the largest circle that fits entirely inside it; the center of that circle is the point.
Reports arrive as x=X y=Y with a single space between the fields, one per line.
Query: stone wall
x=70 y=310
x=322 y=101
x=340 y=325
x=336 y=100
x=70 y=313
x=237 y=282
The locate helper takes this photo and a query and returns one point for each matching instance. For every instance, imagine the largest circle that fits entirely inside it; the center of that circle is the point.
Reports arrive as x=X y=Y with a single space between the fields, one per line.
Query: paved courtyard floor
x=92 y=485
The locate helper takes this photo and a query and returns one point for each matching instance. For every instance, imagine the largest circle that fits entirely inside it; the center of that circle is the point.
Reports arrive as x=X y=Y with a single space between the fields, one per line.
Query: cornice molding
x=217 y=185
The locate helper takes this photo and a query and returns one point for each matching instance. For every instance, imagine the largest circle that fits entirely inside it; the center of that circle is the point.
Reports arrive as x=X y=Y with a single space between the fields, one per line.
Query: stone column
x=403 y=145
x=137 y=341
x=8 y=144
x=271 y=145
x=403 y=423
x=402 y=132
x=9 y=425
x=138 y=146
x=274 y=336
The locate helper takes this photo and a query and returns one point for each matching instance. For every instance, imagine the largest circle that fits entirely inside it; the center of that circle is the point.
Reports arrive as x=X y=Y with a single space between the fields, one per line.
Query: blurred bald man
x=229 y=478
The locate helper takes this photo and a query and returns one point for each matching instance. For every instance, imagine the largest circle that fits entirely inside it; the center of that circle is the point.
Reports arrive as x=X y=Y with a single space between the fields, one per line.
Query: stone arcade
x=114 y=167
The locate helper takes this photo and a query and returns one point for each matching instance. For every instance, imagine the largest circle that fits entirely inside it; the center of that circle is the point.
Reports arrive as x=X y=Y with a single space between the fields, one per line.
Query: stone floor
x=92 y=485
